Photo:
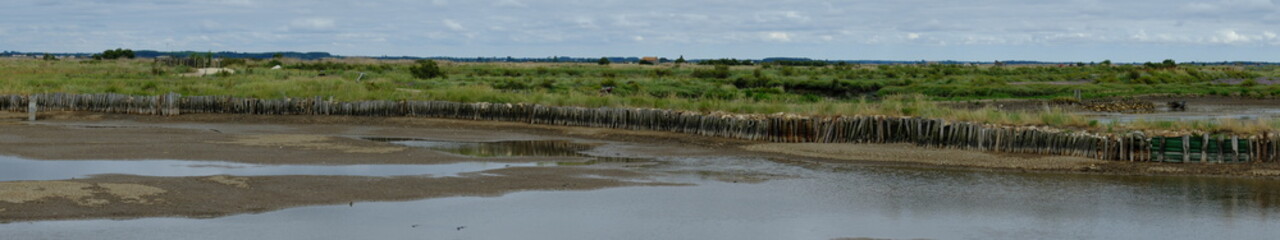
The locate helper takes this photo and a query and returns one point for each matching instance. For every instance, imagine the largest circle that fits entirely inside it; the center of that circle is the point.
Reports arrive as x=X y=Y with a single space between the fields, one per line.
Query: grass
x=899 y=90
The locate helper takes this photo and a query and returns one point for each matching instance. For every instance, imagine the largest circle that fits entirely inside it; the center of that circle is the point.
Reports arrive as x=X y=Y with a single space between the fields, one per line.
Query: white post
x=31 y=109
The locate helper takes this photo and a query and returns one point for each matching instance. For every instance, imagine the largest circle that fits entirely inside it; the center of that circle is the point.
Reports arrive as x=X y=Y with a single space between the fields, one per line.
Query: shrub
x=720 y=71
x=662 y=72
x=426 y=69
x=1249 y=83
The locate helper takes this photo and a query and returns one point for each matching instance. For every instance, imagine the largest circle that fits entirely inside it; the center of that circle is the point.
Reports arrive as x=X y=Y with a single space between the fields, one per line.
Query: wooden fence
x=1135 y=146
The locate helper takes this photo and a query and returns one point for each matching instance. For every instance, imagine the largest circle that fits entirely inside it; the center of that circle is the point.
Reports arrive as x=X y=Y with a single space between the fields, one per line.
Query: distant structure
x=653 y=60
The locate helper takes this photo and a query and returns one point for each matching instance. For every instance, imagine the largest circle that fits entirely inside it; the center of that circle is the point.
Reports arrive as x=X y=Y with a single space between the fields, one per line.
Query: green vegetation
x=904 y=90
x=115 y=54
x=426 y=69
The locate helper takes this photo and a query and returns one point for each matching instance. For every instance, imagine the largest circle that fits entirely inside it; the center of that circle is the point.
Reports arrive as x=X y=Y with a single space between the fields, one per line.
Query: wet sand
x=336 y=140
x=124 y=196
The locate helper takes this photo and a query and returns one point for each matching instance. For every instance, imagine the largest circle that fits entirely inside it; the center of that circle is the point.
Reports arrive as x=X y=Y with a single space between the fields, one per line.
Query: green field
x=901 y=90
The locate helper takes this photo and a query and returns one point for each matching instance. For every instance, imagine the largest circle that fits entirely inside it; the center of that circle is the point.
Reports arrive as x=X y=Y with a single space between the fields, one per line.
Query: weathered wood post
x=1186 y=148
x=1164 y=142
x=31 y=108
x=1204 y=148
x=1235 y=148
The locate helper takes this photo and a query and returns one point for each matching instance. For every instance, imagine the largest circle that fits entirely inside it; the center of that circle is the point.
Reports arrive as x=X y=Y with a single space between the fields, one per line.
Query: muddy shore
x=123 y=197
x=337 y=140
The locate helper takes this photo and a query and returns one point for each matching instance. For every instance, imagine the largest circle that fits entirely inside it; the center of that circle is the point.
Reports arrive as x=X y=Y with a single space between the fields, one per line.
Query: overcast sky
x=1062 y=30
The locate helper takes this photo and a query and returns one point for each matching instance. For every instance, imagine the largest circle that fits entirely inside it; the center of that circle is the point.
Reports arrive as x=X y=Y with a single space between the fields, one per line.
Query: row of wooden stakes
x=1135 y=146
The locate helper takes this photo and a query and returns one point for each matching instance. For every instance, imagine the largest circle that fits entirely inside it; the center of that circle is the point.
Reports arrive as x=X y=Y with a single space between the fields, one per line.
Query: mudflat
x=338 y=140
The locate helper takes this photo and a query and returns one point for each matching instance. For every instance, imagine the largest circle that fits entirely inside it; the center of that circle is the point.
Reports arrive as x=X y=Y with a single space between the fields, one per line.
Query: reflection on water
x=541 y=148
x=1195 y=112
x=13 y=168
x=814 y=203
x=498 y=149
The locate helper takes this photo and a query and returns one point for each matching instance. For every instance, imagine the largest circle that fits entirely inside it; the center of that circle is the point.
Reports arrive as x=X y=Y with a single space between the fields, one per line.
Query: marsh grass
x=889 y=91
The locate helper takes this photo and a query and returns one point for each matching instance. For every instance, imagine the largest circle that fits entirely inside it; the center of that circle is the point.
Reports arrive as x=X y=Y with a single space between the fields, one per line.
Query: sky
x=975 y=30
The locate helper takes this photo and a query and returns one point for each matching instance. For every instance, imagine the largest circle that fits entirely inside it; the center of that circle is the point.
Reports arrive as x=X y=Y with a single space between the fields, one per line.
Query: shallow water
x=805 y=203
x=1195 y=112
x=14 y=168
x=497 y=149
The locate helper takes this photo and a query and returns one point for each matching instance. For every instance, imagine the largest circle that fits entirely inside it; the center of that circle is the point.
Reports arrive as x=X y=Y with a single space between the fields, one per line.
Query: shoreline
x=334 y=140
x=640 y=143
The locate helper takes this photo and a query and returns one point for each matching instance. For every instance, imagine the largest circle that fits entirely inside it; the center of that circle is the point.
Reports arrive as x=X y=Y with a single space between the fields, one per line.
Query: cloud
x=509 y=3
x=1230 y=36
x=551 y=27
x=453 y=25
x=234 y=2
x=777 y=37
x=311 y=24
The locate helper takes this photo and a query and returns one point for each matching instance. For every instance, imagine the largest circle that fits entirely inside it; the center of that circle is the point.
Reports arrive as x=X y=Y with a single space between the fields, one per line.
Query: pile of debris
x=1126 y=105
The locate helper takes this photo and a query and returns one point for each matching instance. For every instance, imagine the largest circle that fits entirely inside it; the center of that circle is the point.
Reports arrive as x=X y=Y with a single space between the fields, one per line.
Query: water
x=1195 y=112
x=539 y=148
x=497 y=149
x=798 y=203
x=15 y=168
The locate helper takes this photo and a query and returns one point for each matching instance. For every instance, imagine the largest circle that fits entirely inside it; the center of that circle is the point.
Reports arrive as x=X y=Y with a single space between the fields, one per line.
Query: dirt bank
x=121 y=196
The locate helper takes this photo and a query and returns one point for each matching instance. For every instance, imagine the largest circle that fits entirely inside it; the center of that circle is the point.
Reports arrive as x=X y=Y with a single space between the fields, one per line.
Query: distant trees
x=646 y=62
x=726 y=61
x=49 y=57
x=114 y=54
x=809 y=63
x=1166 y=64
x=426 y=69
x=681 y=60
x=603 y=61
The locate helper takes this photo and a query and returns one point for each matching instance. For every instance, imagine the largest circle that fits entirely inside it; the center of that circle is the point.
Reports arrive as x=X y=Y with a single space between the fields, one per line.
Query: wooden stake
x=31 y=109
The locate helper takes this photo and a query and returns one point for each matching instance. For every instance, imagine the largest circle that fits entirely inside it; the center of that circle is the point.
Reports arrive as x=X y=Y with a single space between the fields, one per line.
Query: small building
x=653 y=60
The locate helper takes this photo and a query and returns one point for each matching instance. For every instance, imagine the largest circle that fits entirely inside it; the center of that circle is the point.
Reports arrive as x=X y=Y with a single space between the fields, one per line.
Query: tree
x=645 y=62
x=277 y=55
x=603 y=61
x=426 y=69
x=1169 y=63
x=49 y=57
x=680 y=60
x=115 y=54
x=1106 y=63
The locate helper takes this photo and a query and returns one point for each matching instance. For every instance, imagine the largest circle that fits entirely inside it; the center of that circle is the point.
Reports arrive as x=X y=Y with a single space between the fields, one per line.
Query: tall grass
x=890 y=91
